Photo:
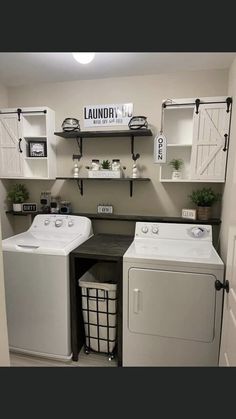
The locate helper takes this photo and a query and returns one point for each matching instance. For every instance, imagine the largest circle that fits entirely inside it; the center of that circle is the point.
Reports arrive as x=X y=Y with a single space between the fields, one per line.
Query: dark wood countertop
x=100 y=246
x=129 y=217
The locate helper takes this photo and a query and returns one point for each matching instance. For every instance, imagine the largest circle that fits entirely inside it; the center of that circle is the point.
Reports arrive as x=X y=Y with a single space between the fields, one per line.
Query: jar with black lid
x=95 y=164
x=115 y=165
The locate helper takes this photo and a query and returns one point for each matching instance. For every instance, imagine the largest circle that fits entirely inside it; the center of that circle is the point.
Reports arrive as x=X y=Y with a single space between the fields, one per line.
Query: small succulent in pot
x=176 y=165
x=105 y=164
x=204 y=199
x=17 y=194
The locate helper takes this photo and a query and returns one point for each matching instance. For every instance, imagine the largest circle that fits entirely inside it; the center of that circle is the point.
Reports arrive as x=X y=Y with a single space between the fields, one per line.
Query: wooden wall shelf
x=80 y=181
x=130 y=217
x=103 y=134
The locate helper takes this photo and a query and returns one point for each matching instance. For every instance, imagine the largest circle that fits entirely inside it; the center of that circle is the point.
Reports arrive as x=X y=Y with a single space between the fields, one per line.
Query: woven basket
x=203 y=213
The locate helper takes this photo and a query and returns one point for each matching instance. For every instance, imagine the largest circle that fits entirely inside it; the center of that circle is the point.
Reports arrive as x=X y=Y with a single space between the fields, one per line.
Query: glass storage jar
x=95 y=164
x=115 y=165
x=45 y=201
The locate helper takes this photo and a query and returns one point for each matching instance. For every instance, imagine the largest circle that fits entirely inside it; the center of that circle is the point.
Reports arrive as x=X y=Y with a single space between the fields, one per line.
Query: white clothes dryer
x=36 y=270
x=172 y=296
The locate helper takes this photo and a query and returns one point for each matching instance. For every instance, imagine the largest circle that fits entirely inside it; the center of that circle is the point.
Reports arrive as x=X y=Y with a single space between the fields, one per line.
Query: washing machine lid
x=183 y=252
x=40 y=243
x=52 y=234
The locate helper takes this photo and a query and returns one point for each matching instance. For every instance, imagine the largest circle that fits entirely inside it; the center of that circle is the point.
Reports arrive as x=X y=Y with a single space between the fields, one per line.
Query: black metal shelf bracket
x=130 y=188
x=134 y=156
x=80 y=145
x=132 y=145
x=80 y=186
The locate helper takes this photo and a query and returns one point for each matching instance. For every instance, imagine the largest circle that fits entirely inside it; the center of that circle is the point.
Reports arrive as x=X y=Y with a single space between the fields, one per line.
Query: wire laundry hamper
x=99 y=307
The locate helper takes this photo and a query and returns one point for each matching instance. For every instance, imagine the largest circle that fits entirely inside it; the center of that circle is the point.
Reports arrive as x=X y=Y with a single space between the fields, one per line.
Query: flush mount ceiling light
x=83 y=57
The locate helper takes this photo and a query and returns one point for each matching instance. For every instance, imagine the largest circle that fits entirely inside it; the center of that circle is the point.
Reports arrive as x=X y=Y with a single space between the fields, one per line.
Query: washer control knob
x=46 y=222
x=58 y=223
x=197 y=231
x=70 y=223
x=144 y=229
x=155 y=230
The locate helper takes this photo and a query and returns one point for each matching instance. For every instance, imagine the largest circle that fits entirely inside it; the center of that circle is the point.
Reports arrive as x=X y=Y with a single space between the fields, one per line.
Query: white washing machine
x=171 y=305
x=36 y=268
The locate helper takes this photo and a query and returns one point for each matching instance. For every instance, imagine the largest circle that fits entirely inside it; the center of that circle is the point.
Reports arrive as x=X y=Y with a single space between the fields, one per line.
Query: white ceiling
x=26 y=68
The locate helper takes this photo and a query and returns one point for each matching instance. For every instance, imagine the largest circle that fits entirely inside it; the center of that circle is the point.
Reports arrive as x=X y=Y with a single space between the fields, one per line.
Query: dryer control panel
x=173 y=231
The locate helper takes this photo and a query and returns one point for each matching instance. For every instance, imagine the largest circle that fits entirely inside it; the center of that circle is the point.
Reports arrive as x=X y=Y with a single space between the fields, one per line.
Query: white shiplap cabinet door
x=10 y=156
x=209 y=154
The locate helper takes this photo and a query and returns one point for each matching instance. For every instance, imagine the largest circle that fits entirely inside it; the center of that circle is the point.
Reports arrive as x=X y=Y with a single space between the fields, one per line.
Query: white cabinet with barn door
x=27 y=143
x=199 y=136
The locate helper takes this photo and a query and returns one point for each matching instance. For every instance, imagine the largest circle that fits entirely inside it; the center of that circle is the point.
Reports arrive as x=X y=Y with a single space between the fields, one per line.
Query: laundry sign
x=107 y=115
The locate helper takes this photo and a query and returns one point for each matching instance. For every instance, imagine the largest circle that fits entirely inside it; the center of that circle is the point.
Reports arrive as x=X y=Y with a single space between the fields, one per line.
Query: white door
x=210 y=142
x=4 y=349
x=172 y=304
x=11 y=152
x=228 y=339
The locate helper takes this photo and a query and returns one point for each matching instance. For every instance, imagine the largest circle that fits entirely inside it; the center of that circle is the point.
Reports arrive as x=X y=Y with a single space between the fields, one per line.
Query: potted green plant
x=105 y=165
x=17 y=194
x=204 y=199
x=176 y=165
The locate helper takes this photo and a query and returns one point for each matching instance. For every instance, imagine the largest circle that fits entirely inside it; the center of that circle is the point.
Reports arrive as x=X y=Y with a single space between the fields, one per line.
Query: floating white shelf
x=36 y=158
x=179 y=145
x=190 y=181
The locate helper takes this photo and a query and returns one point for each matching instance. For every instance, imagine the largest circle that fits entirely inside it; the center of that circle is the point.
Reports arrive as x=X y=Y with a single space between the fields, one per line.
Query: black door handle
x=19 y=145
x=226 y=140
x=219 y=285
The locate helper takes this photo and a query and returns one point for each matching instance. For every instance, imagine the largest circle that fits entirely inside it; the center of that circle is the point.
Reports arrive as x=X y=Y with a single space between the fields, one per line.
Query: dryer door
x=172 y=304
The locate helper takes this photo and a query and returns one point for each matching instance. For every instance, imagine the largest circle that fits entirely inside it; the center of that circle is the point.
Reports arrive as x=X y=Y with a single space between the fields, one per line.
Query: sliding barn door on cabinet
x=11 y=163
x=210 y=142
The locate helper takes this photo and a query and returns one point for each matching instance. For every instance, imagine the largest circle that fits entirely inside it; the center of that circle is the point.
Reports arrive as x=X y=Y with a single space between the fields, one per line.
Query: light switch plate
x=189 y=213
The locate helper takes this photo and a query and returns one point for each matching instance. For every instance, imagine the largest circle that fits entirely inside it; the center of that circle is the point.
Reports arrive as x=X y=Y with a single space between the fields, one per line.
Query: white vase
x=16 y=207
x=176 y=174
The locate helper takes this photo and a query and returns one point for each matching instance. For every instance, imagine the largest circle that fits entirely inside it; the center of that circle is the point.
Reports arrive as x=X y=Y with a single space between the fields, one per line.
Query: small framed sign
x=29 y=207
x=189 y=213
x=104 y=209
x=37 y=148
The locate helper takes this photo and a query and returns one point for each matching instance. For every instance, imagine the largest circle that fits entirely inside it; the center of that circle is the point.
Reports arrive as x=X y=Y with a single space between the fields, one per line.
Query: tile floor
x=91 y=360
